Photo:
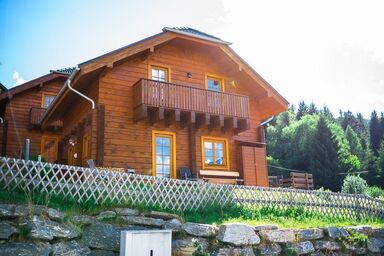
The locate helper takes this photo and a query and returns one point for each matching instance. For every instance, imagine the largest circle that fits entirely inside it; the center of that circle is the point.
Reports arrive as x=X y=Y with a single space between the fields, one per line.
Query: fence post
x=27 y=144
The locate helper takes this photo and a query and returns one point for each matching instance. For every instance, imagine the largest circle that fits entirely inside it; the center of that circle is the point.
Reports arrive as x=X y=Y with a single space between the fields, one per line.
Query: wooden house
x=22 y=108
x=180 y=98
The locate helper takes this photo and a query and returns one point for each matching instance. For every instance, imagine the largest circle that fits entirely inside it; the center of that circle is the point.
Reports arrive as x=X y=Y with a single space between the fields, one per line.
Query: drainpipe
x=266 y=121
x=77 y=92
x=1 y=120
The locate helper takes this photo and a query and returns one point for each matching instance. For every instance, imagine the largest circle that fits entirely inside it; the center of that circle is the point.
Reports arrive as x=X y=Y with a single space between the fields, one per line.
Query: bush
x=375 y=192
x=354 y=185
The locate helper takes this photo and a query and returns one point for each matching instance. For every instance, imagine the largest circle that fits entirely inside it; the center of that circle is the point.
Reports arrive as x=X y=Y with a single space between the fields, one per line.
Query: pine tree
x=324 y=157
x=354 y=143
x=380 y=164
x=326 y=113
x=312 y=110
x=302 y=110
x=375 y=132
x=369 y=165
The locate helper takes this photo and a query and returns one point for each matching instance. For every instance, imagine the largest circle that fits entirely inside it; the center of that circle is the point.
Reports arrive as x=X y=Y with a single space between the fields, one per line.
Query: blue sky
x=329 y=52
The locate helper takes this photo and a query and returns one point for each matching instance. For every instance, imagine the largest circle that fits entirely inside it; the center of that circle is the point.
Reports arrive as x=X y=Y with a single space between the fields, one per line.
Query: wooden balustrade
x=35 y=115
x=189 y=99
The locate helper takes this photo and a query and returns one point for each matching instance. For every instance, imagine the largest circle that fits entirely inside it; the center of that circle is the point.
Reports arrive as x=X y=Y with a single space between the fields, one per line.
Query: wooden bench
x=220 y=177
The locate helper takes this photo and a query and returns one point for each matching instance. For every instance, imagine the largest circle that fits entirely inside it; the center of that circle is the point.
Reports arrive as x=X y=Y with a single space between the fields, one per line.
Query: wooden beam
x=157 y=115
x=140 y=113
x=203 y=120
x=216 y=121
x=5 y=139
x=230 y=123
x=244 y=124
x=192 y=147
x=100 y=135
x=172 y=116
x=187 y=119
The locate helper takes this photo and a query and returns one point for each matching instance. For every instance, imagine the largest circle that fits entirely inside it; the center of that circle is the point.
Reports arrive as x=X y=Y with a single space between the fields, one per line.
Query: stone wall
x=37 y=230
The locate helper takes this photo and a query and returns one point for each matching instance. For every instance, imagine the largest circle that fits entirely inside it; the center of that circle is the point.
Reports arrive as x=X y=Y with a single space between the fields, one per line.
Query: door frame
x=172 y=135
x=56 y=147
x=85 y=147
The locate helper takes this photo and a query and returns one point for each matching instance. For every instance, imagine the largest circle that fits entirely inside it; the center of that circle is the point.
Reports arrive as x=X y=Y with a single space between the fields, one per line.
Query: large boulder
x=126 y=212
x=25 y=249
x=265 y=227
x=363 y=229
x=248 y=251
x=269 y=249
x=106 y=215
x=83 y=220
x=203 y=230
x=355 y=249
x=327 y=245
x=7 y=230
x=48 y=230
x=174 y=224
x=237 y=234
x=143 y=221
x=378 y=232
x=102 y=236
x=301 y=248
x=187 y=246
x=54 y=214
x=278 y=236
x=162 y=215
x=310 y=234
x=375 y=245
x=334 y=232
x=13 y=210
x=69 y=248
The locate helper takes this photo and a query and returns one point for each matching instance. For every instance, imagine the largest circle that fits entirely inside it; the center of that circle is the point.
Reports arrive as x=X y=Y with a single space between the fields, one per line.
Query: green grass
x=294 y=217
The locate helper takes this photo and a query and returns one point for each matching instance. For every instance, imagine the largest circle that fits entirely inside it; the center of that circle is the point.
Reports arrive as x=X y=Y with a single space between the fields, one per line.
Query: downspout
x=1 y=120
x=266 y=121
x=77 y=92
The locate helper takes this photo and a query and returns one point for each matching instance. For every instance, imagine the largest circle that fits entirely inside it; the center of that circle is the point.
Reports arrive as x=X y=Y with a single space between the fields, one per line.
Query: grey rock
x=83 y=220
x=363 y=229
x=355 y=249
x=203 y=230
x=48 y=230
x=126 y=212
x=278 y=236
x=310 y=234
x=334 y=232
x=102 y=236
x=265 y=227
x=301 y=248
x=173 y=224
x=162 y=215
x=25 y=249
x=7 y=230
x=106 y=215
x=237 y=234
x=102 y=253
x=236 y=252
x=37 y=209
x=269 y=249
x=327 y=245
x=54 y=214
x=144 y=221
x=70 y=248
x=378 y=232
x=375 y=244
x=12 y=210
x=186 y=246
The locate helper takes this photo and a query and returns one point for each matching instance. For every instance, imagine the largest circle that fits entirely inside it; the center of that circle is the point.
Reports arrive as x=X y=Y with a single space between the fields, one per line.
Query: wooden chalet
x=181 y=99
x=22 y=108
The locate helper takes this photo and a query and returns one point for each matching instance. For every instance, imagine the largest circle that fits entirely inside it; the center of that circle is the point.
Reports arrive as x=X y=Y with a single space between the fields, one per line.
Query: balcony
x=35 y=115
x=170 y=102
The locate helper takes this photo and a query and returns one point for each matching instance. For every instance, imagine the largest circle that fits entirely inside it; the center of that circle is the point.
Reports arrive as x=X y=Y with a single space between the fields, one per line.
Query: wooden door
x=85 y=149
x=254 y=164
x=49 y=146
x=164 y=154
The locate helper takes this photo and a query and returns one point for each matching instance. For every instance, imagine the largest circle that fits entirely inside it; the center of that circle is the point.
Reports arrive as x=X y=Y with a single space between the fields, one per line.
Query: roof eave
x=219 y=41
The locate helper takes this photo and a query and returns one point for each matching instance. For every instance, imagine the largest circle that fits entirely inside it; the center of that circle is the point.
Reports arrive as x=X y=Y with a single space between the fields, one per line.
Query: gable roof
x=2 y=87
x=66 y=71
x=148 y=44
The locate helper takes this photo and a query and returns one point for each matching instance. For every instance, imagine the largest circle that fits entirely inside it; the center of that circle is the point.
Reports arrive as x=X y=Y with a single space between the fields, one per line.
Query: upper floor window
x=214 y=84
x=47 y=100
x=215 y=152
x=159 y=73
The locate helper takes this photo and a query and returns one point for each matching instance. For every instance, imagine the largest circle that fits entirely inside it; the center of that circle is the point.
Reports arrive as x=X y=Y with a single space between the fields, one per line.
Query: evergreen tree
x=362 y=129
x=354 y=143
x=375 y=132
x=380 y=165
x=369 y=165
x=326 y=113
x=302 y=110
x=324 y=157
x=348 y=119
x=312 y=110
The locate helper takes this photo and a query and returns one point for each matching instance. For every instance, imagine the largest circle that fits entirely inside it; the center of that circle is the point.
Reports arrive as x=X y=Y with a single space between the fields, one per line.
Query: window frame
x=216 y=77
x=45 y=94
x=172 y=135
x=225 y=153
x=159 y=67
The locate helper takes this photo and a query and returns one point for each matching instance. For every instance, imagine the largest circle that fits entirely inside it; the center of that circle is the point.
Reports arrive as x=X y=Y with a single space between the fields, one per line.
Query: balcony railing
x=35 y=115
x=186 y=98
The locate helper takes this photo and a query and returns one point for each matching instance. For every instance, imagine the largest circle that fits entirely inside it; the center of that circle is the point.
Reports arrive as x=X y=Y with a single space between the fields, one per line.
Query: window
x=215 y=153
x=214 y=84
x=163 y=148
x=159 y=74
x=47 y=100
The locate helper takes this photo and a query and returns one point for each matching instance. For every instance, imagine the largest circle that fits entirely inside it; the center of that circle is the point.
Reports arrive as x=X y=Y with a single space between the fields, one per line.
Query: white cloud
x=18 y=78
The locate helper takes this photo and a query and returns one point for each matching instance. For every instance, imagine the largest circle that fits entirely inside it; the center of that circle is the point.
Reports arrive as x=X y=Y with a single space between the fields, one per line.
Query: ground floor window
x=163 y=148
x=214 y=153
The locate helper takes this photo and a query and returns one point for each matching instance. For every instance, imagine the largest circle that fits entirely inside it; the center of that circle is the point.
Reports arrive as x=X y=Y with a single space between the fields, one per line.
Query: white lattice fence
x=84 y=184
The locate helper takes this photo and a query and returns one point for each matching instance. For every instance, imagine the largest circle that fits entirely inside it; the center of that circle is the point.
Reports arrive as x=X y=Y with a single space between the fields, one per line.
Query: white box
x=146 y=243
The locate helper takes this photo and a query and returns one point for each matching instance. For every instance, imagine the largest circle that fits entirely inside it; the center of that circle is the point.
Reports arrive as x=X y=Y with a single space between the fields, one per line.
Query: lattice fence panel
x=84 y=184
